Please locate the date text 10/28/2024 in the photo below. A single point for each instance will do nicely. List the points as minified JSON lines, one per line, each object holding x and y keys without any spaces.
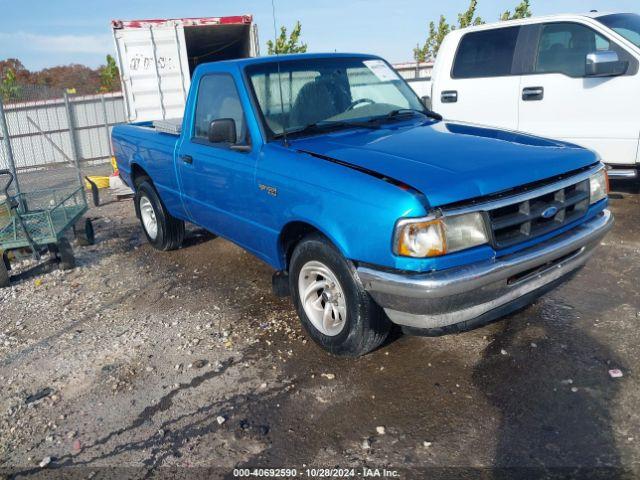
{"x":316,"y":472}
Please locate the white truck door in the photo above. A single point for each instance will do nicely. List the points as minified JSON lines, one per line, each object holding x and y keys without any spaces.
{"x":473,"y":80}
{"x":558,"y":100}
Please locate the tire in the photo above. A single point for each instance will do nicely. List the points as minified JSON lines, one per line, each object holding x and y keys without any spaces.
{"x":353,"y":329}
{"x":5,"y":280}
{"x":65,"y":255}
{"x":168,"y":233}
{"x":85,"y":235}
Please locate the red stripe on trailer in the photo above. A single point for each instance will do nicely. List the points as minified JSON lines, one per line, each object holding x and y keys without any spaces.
{"x":187,"y":22}
{"x":234,"y":20}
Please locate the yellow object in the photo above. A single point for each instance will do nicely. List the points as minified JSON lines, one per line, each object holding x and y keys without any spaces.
{"x":101,"y":182}
{"x":114,"y":164}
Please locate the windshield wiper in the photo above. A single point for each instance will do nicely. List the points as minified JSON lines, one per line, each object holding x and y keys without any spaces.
{"x":406,"y":111}
{"x":372,"y":123}
{"x":319,"y":127}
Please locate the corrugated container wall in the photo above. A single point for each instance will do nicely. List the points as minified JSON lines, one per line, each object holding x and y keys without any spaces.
{"x":157,"y":57}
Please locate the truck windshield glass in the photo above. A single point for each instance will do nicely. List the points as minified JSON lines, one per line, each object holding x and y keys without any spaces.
{"x":328,"y":91}
{"x":624,"y":24}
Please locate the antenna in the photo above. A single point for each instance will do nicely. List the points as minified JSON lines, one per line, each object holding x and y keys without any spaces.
{"x":275,"y":47}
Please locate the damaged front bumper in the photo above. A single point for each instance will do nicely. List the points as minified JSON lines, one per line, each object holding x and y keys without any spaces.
{"x":465,"y":297}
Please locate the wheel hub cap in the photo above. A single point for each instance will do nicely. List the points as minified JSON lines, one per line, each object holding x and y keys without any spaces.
{"x":148,"y":216}
{"x":322,"y":298}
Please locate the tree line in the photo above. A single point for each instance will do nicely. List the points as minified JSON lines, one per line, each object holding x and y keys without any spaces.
{"x":15,"y":77}
{"x":429,"y":50}
{"x":291,"y":43}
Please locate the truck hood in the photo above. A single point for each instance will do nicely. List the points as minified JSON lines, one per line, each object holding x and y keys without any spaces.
{"x":450,"y":162}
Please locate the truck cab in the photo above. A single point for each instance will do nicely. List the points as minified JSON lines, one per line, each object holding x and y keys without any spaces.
{"x":569,"y":77}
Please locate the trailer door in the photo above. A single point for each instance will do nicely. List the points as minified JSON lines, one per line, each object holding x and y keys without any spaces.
{"x":155,"y":70}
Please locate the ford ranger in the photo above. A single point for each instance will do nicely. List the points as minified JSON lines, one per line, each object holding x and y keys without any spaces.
{"x":372,"y":209}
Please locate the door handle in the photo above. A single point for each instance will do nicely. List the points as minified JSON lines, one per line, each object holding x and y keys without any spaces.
{"x":449,"y":96}
{"x":186,"y":159}
{"x":531,"y":94}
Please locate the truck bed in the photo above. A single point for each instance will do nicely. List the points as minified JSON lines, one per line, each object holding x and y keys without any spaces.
{"x":142,"y":144}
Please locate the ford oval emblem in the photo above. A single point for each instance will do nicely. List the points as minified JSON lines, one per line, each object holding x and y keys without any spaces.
{"x":550,"y":212}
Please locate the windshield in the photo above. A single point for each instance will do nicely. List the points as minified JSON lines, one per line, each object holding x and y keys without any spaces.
{"x":624,"y":24}
{"x":309,"y":92}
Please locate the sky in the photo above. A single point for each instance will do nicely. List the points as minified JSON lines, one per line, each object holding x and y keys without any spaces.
{"x":45,"y":33}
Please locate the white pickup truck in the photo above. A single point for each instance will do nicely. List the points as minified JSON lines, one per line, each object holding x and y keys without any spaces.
{"x":569,"y":77}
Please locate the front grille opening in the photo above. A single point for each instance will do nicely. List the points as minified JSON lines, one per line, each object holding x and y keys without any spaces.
{"x":536,"y":270}
{"x":518,"y":222}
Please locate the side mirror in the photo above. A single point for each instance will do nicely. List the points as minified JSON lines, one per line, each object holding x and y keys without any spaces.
{"x":605,"y":64}
{"x":223,"y":130}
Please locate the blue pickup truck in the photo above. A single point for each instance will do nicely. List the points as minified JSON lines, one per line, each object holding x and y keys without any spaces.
{"x":372,"y":209}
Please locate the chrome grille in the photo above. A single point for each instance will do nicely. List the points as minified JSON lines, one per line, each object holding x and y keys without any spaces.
{"x":519,"y":222}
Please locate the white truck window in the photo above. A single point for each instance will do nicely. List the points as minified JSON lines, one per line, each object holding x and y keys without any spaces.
{"x":625,"y":24}
{"x":487,"y":53}
{"x":564,"y":47}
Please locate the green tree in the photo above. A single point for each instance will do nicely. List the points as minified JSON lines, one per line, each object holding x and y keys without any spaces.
{"x":109,"y":76}
{"x":436,"y":36}
{"x":287,"y":43}
{"x":523,"y":10}
{"x":468,"y":18}
{"x":9,"y":88}
{"x":429,"y":50}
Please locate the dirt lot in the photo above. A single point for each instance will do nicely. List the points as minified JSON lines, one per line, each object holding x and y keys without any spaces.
{"x":184,"y":364}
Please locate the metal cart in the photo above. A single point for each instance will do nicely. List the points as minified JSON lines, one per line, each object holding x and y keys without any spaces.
{"x":38,"y":221}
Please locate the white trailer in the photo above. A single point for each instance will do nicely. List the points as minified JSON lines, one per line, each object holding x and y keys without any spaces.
{"x":157,"y":58}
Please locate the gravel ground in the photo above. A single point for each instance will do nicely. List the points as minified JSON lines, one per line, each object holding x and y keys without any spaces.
{"x":140,"y":363}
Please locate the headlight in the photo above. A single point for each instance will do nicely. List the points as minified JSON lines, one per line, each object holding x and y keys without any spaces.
{"x":421,"y":238}
{"x":599,"y":186}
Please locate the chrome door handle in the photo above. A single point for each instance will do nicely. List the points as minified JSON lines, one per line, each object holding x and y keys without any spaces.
{"x":531,"y":94}
{"x":449,"y":96}
{"x":186,"y":159}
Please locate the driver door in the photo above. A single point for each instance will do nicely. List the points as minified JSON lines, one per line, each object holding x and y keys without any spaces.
{"x":217,"y":180}
{"x":557,"y":100}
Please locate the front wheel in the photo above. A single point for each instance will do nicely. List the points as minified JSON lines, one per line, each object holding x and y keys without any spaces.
{"x":162,"y":230}
{"x":335,"y":310}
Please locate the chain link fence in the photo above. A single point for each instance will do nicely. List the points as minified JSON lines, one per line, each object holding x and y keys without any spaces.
{"x":51,"y":139}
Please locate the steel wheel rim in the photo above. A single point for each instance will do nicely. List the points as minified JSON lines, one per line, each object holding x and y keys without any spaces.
{"x":148,"y":216}
{"x":322,"y":298}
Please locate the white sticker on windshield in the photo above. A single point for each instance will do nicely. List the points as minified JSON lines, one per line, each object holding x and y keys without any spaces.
{"x":381,"y":70}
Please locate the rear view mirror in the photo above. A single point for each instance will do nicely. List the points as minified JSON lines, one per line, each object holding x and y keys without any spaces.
{"x":223,"y":130}
{"x":605,"y":64}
